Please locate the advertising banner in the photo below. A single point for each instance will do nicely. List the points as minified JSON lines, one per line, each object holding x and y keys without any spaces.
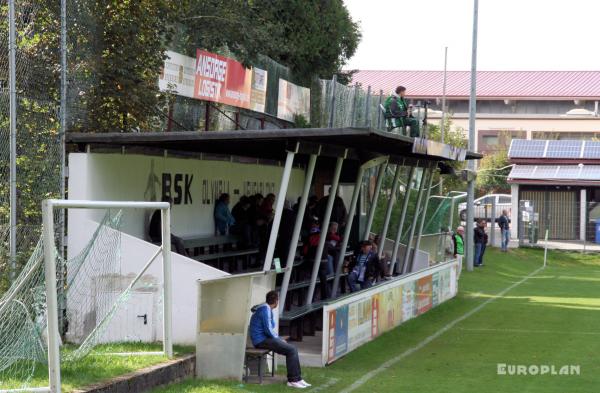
{"x":361,"y":317}
{"x":408,"y":301}
{"x":423,"y":294}
{"x":178,"y":74}
{"x":211,"y":77}
{"x":435,"y":289}
{"x":293,"y":100}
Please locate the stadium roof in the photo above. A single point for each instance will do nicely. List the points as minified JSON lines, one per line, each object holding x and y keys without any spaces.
{"x":541,"y":85}
{"x":362,"y":143}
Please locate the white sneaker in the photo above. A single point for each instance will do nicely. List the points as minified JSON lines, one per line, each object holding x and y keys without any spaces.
{"x":303,"y":382}
{"x":297,"y":385}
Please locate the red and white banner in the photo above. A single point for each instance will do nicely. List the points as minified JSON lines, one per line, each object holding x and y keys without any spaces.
{"x":220,"y":79}
{"x":211,"y":77}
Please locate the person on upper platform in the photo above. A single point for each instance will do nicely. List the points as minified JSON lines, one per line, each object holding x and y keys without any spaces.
{"x":399,"y":114}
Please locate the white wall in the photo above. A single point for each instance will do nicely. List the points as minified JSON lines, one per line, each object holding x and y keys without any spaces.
{"x":122,"y":177}
{"x":126,"y":177}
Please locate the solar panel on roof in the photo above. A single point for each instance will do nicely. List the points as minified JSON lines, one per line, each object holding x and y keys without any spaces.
{"x":522,"y":172}
{"x":563,"y":149}
{"x":522,"y":148}
{"x":591,"y":149}
{"x":568,"y":172}
{"x":590,"y":172}
{"x":546,"y":171}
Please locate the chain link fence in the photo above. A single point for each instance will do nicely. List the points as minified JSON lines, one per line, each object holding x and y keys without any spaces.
{"x":38,"y":148}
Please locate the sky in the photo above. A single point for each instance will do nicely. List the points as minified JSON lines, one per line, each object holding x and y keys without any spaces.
{"x":513,"y":35}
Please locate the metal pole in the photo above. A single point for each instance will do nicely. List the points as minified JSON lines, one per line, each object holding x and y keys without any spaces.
{"x":63,"y":114}
{"x":388,"y":212}
{"x":368,"y":108}
{"x":51,"y":297}
{"x":289,"y":264}
{"x":12,"y":85}
{"x":380,"y":176}
{"x":285,"y":180}
{"x":347,"y":230}
{"x":423,"y":216}
{"x":379,"y":109}
{"x":167,"y":283}
{"x":324,"y":228}
{"x":332,"y":113}
{"x":354,"y":105}
{"x":493,"y":225}
{"x":402,"y":218}
{"x":470,"y":249}
{"x":413,"y":225}
{"x":443,"y":123}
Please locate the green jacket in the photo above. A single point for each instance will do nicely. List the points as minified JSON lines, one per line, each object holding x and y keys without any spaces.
{"x":395,"y":107}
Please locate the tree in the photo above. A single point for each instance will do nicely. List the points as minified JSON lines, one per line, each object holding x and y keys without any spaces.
{"x":492,"y":173}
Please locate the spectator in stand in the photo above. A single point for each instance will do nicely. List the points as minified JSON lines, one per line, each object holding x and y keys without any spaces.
{"x":266,"y":208}
{"x":286,"y":230}
{"x":363,"y":268}
{"x":263,"y":336}
{"x":334,"y":241}
{"x":310,"y":214}
{"x":479,"y":240}
{"x":504,"y":224}
{"x":310,"y":252}
{"x":242,"y":227}
{"x":398,"y":110}
{"x":155,"y":231}
{"x":338,"y":213}
{"x":223,"y":218}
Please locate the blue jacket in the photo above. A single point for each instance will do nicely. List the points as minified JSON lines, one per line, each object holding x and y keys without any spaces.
{"x":262,"y":324}
{"x":223,"y":217}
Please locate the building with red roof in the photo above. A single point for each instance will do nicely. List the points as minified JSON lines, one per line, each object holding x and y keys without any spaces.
{"x":510,"y":104}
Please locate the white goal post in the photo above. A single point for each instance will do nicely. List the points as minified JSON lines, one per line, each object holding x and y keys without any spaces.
{"x":48,"y":207}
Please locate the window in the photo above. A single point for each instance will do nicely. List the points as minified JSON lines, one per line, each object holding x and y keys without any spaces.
{"x":490,"y":140}
{"x":504,"y":199}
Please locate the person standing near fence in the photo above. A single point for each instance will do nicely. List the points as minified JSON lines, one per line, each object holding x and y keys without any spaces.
{"x":479,"y":239}
{"x":504,"y":225}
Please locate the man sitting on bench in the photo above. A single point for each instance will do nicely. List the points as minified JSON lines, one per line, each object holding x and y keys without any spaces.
{"x":264,"y":336}
{"x":399,"y":113}
{"x":364,"y":268}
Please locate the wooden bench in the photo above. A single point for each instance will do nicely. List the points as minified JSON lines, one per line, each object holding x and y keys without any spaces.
{"x":260,"y":355}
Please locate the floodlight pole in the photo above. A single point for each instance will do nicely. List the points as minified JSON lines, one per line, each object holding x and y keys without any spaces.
{"x":325,"y":227}
{"x":388,"y":212}
{"x":285,"y":180}
{"x":470,"y":246}
{"x":289,"y":264}
{"x":402,"y":219}
{"x":51,"y":297}
{"x":380,"y":177}
{"x":443,"y":123}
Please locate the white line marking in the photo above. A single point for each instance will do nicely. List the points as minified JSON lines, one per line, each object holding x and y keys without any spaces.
{"x":527,"y":331}
{"x":330,"y":383}
{"x":362,"y":380}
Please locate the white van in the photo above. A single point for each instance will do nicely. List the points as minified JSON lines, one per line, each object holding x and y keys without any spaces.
{"x":483,"y":206}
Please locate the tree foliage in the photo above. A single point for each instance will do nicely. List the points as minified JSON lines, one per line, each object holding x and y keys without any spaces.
{"x":117,"y":48}
{"x":491,"y":178}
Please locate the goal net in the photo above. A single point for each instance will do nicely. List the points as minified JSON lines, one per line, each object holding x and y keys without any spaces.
{"x":99,"y":301}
